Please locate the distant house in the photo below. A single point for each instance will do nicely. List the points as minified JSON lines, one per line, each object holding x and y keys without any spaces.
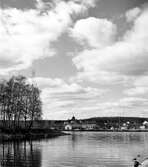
{"x":112,"y":128}
{"x":123,"y":128}
{"x":68,"y":127}
{"x":76,"y":126}
{"x":145,"y":123}
{"x":142,"y":127}
{"x":89,"y":126}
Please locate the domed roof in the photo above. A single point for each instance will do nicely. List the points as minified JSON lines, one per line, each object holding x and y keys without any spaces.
{"x":73,"y":118}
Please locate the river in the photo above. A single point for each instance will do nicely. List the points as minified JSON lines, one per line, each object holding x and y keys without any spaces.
{"x":81,"y":149}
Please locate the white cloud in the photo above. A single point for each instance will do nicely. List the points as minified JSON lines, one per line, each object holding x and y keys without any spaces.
{"x":132,"y":14}
{"x":124,"y":63}
{"x":67,"y":98}
{"x":127,"y":106}
{"x":137,"y":91}
{"x":132,"y":101}
{"x":130,"y":107}
{"x":96,"y":32}
{"x":43,"y":82}
{"x":71,"y":6}
{"x":139,"y":87}
{"x":62,"y":99}
{"x":141,"y":81}
{"x":86,"y":3}
{"x":103,"y":78}
{"x":26,"y":35}
{"x":29,"y":37}
{"x":124,"y":58}
{"x":59,"y":97}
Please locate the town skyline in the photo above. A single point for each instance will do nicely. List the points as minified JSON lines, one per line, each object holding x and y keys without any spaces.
{"x":88,"y":57}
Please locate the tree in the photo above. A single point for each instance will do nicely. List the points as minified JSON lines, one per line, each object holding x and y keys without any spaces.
{"x":19,"y":103}
{"x":35,"y":105}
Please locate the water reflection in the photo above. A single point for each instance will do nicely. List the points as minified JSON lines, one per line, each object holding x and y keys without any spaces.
{"x":20,"y":155}
{"x":81,"y":149}
{"x":74,"y":139}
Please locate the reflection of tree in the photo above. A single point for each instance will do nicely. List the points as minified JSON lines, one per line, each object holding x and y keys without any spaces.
{"x":20,"y":155}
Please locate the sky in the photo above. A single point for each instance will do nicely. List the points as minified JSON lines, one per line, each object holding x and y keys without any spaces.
{"x":89,"y":57}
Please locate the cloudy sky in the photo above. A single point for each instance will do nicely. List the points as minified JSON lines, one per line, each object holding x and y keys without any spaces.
{"x":90,"y":57}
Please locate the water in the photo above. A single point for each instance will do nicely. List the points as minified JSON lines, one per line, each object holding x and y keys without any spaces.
{"x":81,"y":149}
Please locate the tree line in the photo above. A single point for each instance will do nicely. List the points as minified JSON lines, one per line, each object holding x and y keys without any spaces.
{"x":20,"y":103}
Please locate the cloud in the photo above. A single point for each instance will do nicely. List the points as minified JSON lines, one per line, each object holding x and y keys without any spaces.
{"x":115,"y":67}
{"x":136,"y":91}
{"x":87,"y":3}
{"x":127,"y":106}
{"x":60,"y":98}
{"x":141,"y":81}
{"x":125,"y":58}
{"x":76,"y":6}
{"x":26,"y":35}
{"x":139,"y":87}
{"x":96,"y":32}
{"x":132,"y":14}
{"x":103,"y":78}
{"x":19,"y":4}
{"x":64,"y":109}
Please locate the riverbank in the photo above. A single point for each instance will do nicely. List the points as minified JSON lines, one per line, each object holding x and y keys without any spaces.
{"x":108,"y":130}
{"x":35,"y":134}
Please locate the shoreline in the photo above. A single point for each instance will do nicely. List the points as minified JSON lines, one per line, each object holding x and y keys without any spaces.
{"x":39,"y":134}
{"x":132,"y":130}
{"x":5,"y":137}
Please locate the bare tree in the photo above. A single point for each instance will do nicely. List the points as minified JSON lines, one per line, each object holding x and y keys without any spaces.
{"x":19,"y":103}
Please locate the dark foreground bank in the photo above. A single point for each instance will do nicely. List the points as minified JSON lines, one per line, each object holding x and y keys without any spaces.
{"x":36,"y":134}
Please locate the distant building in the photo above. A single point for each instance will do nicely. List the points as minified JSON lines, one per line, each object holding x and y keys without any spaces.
{"x":75,"y":124}
{"x":73,"y":120}
{"x":112,"y":128}
{"x":145,"y":123}
{"x":72,"y":124}
{"x":89,"y":126}
{"x":123,"y":128}
{"x":68,"y":127}
{"x":142,"y":127}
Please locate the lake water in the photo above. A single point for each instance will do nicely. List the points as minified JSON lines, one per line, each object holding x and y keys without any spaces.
{"x":81,"y":149}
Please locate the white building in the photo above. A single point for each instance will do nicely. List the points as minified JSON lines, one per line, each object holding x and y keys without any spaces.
{"x":142,"y":127}
{"x":88,"y":126}
{"x":68,"y":127}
